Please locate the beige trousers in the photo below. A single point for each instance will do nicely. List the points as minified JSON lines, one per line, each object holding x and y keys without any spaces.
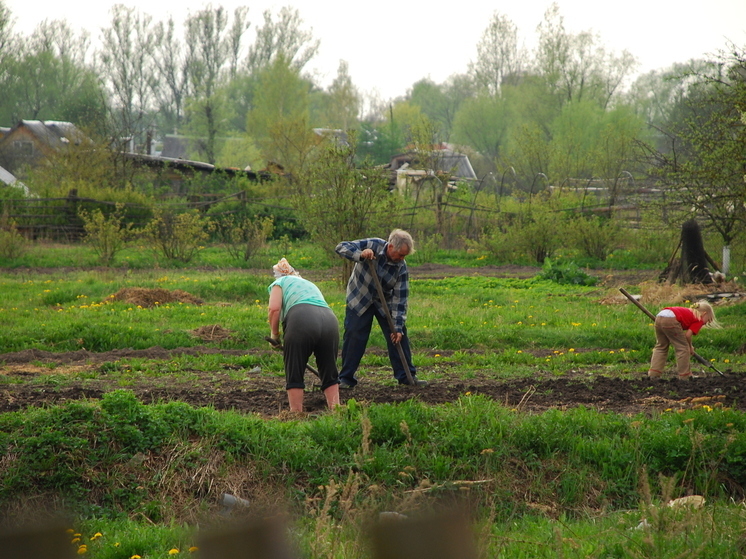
{"x":668,"y":332}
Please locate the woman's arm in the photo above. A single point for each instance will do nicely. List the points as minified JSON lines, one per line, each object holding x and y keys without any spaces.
{"x":274,"y":310}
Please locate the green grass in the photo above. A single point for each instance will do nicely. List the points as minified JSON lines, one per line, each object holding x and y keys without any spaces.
{"x":570,"y":484}
{"x":575,"y":482}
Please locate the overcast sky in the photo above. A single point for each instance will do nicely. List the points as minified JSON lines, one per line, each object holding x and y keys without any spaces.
{"x":391,"y":44}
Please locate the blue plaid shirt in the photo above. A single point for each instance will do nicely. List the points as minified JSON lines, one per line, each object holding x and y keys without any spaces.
{"x":361,"y":289}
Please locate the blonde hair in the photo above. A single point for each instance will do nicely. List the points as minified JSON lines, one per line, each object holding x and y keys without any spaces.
{"x":703,"y":309}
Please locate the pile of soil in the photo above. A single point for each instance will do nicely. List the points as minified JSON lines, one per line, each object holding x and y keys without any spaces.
{"x":212,"y":333}
{"x":147,"y":298}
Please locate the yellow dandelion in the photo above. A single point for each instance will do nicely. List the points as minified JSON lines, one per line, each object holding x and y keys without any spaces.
{"x":135,"y":557}
{"x":612,"y":351}
{"x":488,"y":451}
{"x":519,"y":351}
{"x":193,"y":549}
{"x":727,"y":361}
{"x":173,"y":551}
{"x":75,"y":540}
{"x":437,"y":355}
{"x":467,"y":394}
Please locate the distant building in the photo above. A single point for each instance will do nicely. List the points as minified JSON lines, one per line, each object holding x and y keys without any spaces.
{"x":31,"y":141}
{"x":441,"y":161}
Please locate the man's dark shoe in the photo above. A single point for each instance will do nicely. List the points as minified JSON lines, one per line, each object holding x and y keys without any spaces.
{"x":417,"y":382}
{"x":345,"y":385}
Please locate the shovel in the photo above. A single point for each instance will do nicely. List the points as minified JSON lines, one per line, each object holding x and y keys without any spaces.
{"x":278,"y":345}
{"x":696,"y":355}
{"x":392,"y":327}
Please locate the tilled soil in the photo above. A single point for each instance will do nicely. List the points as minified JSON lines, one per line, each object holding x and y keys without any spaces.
{"x":28,"y":377}
{"x":262,"y":392}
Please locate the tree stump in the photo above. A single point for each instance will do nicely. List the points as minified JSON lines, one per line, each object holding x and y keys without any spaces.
{"x":692,"y":265}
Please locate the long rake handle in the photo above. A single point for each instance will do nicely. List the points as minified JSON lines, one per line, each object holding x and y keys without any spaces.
{"x":379,"y":289}
{"x":639,"y":305}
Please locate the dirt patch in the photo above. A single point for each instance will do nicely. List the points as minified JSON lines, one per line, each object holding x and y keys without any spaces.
{"x":212,"y":333}
{"x":259,"y":391}
{"x":148,"y":298}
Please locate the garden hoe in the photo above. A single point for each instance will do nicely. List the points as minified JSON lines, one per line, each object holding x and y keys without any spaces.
{"x":278,"y":345}
{"x":697,"y":356}
{"x":392,"y":327}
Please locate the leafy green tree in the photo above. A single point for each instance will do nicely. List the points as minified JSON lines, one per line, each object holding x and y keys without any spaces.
{"x":483,"y":123}
{"x":441,"y":103}
{"x":279,"y":119}
{"x":703,"y":164}
{"x":47,"y":77}
{"x":342,"y":102}
{"x":337,"y":200}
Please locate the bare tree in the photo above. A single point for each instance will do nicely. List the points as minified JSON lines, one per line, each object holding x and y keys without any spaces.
{"x":127,"y":62}
{"x":172,"y":87}
{"x":282,"y":38}
{"x":498,"y":54}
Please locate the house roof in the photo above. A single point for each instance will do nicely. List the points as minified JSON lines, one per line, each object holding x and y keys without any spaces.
{"x":446,"y":160}
{"x":6,"y":177}
{"x":159,"y":161}
{"x":52,"y":132}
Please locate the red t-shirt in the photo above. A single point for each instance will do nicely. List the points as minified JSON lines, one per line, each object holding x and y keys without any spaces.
{"x":687,"y":319}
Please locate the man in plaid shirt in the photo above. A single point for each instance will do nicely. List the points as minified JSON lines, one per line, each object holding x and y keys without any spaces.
{"x":363,"y":303}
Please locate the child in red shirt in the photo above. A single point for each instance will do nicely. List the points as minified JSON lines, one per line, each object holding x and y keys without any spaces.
{"x":675,"y":326}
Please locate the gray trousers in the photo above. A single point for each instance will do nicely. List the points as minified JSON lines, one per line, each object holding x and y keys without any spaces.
{"x":310,"y":329}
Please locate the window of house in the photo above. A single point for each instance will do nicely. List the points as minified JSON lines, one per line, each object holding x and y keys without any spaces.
{"x":23,"y":148}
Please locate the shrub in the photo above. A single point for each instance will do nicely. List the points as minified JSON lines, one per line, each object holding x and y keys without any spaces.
{"x":594,"y":236}
{"x":178,"y":236}
{"x":106,"y":233}
{"x":567,"y":273}
{"x":12,"y":243}
{"x":245,"y":237}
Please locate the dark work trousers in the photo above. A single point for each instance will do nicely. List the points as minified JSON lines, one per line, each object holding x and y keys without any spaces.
{"x":357,"y":332}
{"x":310,"y":329}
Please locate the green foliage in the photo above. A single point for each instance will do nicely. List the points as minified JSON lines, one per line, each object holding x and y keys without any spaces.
{"x":78,"y":449}
{"x":245,"y":237}
{"x":107,"y":234}
{"x":336,"y":200}
{"x":566,"y":273}
{"x":596,"y":237}
{"x":12,"y":243}
{"x":177,"y":236}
